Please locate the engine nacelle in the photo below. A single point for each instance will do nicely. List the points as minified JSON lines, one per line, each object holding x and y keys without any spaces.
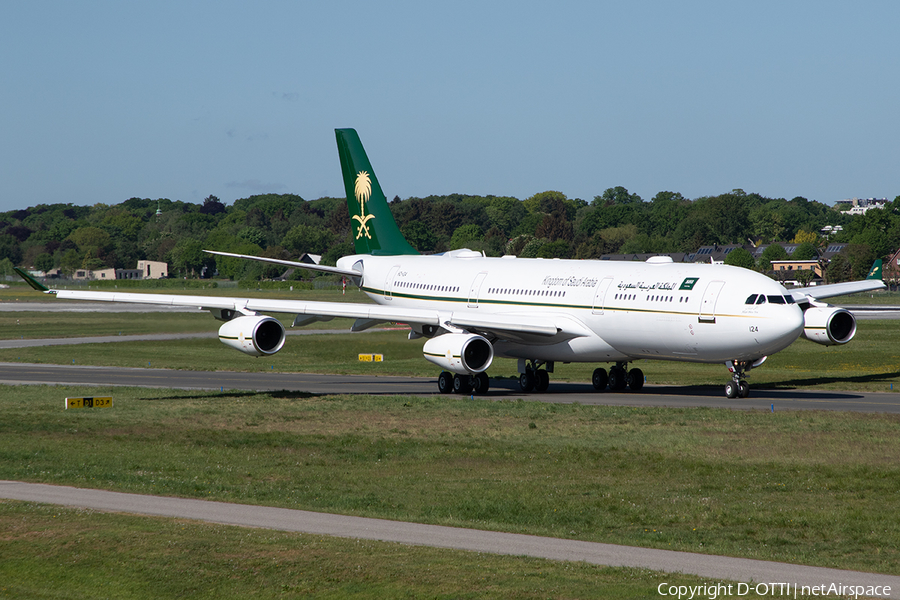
{"x":828,"y":325}
{"x":253,"y":335}
{"x":461,"y":353}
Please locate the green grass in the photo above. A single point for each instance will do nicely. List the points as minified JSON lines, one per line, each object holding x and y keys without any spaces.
{"x":39,"y":325}
{"x":55,"y":552}
{"x":803,"y":487}
{"x":871,"y":362}
{"x":884,"y":298}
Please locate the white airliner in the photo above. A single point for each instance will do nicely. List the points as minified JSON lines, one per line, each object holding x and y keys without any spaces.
{"x":472,"y":308}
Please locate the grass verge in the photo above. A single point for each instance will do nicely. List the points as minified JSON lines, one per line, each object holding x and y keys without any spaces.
{"x":802,"y":487}
{"x":48,"y":549}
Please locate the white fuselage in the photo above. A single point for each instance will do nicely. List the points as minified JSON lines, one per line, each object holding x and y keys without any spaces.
{"x":627,"y":310}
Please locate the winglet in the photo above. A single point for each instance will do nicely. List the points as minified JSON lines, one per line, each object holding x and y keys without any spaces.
{"x":875,"y":273}
{"x":31,"y":280}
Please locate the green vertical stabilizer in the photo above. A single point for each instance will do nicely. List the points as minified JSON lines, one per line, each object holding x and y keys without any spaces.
{"x":373,"y":226}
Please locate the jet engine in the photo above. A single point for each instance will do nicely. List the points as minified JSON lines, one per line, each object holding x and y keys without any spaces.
{"x":828,"y":325}
{"x":253,"y":335}
{"x":461,"y":353}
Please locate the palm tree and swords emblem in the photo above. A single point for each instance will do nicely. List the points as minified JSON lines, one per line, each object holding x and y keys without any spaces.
{"x":362,"y":191}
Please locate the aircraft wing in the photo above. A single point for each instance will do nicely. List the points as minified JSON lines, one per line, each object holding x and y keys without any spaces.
{"x":366,"y":314}
{"x":504,"y":326}
{"x":838,"y":289}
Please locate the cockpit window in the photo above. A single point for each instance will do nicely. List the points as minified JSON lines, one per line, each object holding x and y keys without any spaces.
{"x":776,"y":300}
{"x":761,"y":300}
{"x":751,"y":299}
{"x":790,"y":299}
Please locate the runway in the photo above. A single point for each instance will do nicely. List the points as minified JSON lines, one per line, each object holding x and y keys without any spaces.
{"x":718,"y":568}
{"x":501,"y":389}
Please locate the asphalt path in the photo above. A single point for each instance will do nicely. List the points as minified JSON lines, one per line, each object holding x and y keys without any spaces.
{"x":718,"y":568}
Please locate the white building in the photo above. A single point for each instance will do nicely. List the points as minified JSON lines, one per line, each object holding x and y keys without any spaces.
{"x":859,"y":206}
{"x":146,"y":269}
{"x":152,"y":269}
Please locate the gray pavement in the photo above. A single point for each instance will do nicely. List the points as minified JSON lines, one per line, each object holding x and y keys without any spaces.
{"x":718,"y":568}
{"x":501,"y":388}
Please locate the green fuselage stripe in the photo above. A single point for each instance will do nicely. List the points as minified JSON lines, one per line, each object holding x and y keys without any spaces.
{"x":521,"y":304}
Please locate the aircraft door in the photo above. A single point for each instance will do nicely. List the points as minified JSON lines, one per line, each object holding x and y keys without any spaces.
{"x":389,"y":282}
{"x":708,"y":304}
{"x":600,"y":295}
{"x":475,"y":289}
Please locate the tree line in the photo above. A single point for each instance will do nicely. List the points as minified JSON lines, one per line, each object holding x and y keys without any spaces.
{"x":548,"y":225}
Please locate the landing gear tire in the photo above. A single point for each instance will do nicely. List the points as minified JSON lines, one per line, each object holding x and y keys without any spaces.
{"x":599,"y":379}
{"x":541,"y":380}
{"x":526,"y":381}
{"x":635,"y":380}
{"x":617,"y":378}
{"x":445,"y":382}
{"x":738,"y":386}
{"x":461,"y":384}
{"x":480,"y":383}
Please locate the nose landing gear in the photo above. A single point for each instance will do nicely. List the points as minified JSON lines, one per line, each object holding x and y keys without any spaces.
{"x":738,"y":386}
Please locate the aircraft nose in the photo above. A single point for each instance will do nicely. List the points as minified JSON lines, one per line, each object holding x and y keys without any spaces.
{"x":792,"y":325}
{"x":783,"y":330}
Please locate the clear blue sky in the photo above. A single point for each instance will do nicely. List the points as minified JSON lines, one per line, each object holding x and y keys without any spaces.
{"x":104,"y":101}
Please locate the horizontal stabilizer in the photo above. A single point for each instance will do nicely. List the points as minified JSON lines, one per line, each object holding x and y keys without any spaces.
{"x":289,"y":263}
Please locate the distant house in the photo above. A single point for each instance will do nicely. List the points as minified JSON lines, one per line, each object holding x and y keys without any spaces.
{"x":104,"y":274}
{"x":310,"y":259}
{"x":306,"y":257}
{"x":859,"y":206}
{"x":716,"y":253}
{"x":890,"y":271}
{"x":152,"y":269}
{"x":797,"y":265}
{"x":147,"y":269}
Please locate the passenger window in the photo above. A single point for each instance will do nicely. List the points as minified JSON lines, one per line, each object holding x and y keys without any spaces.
{"x":762,"y":299}
{"x":776,"y":300}
{"x":751,"y":299}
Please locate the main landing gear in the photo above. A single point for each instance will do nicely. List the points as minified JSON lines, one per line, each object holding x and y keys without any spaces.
{"x":618,"y":378}
{"x":533,"y":377}
{"x":463,"y":384}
